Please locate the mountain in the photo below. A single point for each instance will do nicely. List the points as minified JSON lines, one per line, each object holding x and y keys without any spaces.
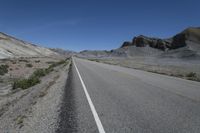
{"x":13,"y":47}
{"x":94,"y":53}
{"x":183,"y":44}
{"x":66,"y":53}
{"x":180,"y":40}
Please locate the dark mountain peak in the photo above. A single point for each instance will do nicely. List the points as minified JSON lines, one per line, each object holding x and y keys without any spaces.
{"x":126,"y":44}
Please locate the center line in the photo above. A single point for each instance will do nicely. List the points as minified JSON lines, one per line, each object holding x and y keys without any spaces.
{"x":94,"y":112}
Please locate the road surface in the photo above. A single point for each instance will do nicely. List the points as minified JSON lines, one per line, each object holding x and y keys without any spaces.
{"x":128,"y":101}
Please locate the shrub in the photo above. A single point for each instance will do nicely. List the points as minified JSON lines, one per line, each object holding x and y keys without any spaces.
{"x":22,"y":60}
{"x":48,"y":70}
{"x":55,"y":64}
{"x":34,"y":78}
{"x":29,"y":65}
{"x":191,"y":74}
{"x":13,"y":62}
{"x":39,"y":73}
{"x":37,"y":61}
{"x":50,"y":62}
{"x":3,"y":69}
{"x":26,"y":83}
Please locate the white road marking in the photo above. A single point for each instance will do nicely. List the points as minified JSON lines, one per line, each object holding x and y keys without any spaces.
{"x":94,"y":112}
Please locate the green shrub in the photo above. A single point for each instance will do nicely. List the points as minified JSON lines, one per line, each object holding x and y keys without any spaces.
{"x":3,"y":69}
{"x":22,"y":60}
{"x":29,"y":65}
{"x":94,"y":60}
{"x":48,"y":70}
{"x":37,"y":61}
{"x":191,"y":74}
{"x":55,"y":64}
{"x":14,"y":62}
{"x":34,"y":78}
{"x":39,"y":73}
{"x":26,"y":83}
{"x":50,"y":62}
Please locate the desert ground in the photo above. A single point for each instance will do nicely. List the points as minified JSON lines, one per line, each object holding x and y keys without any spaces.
{"x":34,"y":107}
{"x":183,"y":68}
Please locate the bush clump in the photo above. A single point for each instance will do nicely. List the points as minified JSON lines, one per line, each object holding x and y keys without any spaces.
{"x":26,"y":83}
{"x":37,"y":61}
{"x":191,"y":75}
{"x":39,"y":73}
{"x":23,"y":60}
{"x":55,"y":64}
{"x":29,"y":65}
{"x":35,"y":77}
{"x":3,"y":69}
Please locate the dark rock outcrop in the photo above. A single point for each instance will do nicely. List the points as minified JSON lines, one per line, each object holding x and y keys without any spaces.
{"x":143,"y":41}
{"x":179,"y":40}
{"x":126,"y":44}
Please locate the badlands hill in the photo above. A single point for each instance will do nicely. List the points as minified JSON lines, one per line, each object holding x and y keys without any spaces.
{"x":183,"y":44}
{"x":12,"y":47}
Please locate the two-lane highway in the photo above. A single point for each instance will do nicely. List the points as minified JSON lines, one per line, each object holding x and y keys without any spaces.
{"x":128,"y":101}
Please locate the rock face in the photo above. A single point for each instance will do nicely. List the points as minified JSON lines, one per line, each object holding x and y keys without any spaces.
{"x":177,"y":41}
{"x":143,"y":41}
{"x":126,"y":44}
{"x":12,"y":47}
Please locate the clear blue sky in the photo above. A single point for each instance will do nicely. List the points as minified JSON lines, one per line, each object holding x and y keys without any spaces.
{"x":95,"y":24}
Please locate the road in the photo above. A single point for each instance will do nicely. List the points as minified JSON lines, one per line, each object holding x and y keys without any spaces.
{"x":128,"y":101}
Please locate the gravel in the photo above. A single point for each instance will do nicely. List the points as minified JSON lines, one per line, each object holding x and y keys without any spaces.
{"x":36,"y":109}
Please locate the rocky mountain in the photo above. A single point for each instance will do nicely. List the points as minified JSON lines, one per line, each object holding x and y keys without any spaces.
{"x":13,"y":47}
{"x":180,"y":40}
{"x":183,"y":44}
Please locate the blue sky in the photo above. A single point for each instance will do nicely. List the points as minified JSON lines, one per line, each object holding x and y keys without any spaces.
{"x":95,"y":24}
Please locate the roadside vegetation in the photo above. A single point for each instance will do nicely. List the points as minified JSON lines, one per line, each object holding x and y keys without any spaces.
{"x":29,"y":65}
{"x":94,"y":60}
{"x":3,"y":69}
{"x":23,"y":60}
{"x":37,"y":61}
{"x":192,"y":76}
{"x":35,"y":77}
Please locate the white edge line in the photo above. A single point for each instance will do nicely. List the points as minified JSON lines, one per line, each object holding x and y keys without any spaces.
{"x":94,"y":112}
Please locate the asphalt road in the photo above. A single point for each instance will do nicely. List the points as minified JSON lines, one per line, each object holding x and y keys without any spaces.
{"x":128,"y":101}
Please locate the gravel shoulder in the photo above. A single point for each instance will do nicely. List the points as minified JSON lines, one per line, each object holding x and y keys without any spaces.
{"x":36,"y":109}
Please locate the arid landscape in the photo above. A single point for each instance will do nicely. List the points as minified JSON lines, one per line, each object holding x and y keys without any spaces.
{"x":177,"y":56}
{"x":99,"y":66}
{"x":24,"y":88}
{"x":34,"y":80}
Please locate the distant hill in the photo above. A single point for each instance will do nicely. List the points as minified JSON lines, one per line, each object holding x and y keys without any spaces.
{"x":183,"y":44}
{"x":13,"y":47}
{"x":66,"y":53}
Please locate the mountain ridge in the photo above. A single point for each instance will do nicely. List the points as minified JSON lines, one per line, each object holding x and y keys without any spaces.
{"x":177,"y":41}
{"x":185,"y":44}
{"x":14,"y":47}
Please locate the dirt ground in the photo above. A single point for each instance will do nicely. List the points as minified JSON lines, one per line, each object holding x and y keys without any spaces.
{"x":34,"y":109}
{"x":183,"y":68}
